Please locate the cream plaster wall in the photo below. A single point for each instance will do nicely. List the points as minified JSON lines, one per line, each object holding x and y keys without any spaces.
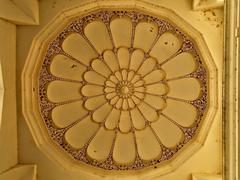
{"x":7,"y":60}
{"x":10,"y":15}
{"x":206,"y":160}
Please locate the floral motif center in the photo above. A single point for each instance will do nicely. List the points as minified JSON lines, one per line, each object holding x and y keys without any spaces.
{"x":124,"y":89}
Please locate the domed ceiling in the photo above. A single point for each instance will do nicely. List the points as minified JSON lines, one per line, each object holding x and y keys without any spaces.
{"x":121,"y":89}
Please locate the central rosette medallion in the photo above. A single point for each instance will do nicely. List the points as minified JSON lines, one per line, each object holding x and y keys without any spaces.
{"x":122,"y":90}
{"x":125,"y":89}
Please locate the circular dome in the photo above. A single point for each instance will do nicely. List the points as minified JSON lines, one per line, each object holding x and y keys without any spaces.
{"x":126,"y":90}
{"x":119,"y":88}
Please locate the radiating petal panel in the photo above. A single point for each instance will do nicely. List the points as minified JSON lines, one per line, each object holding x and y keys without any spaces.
{"x":102,"y":113}
{"x":181,"y":112}
{"x":92,"y":90}
{"x":62,"y":66}
{"x":157,"y":89}
{"x":76,"y":46}
{"x":137,"y":119}
{"x":147,"y":145}
{"x":154,"y":76}
{"x":121,"y":36}
{"x":60,"y":91}
{"x":123,"y":58}
{"x":168,"y":133}
{"x":112,"y":119}
{"x":147,"y":66}
{"x":111,"y":60}
{"x":177,"y":88}
{"x":145,"y":34}
{"x":100,"y":67}
{"x":94,"y":78}
{"x":98,"y":35}
{"x":180,"y":65}
{"x":67,"y":114}
{"x":94,"y":102}
{"x":148,"y":112}
{"x":167,"y":45}
{"x":124,"y":149}
{"x":100,"y":146}
{"x":136,"y":59}
{"x":155,"y":101}
{"x":80,"y":134}
{"x":125,"y":122}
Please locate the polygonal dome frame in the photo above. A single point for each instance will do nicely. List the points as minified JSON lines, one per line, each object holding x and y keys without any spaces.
{"x":30,"y":86}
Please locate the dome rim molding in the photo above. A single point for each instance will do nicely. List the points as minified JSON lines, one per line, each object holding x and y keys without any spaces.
{"x":30,"y":74}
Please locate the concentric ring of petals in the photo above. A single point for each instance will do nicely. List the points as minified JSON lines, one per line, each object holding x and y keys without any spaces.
{"x":121,"y":86}
{"x":124,"y":90}
{"x":132,"y":82}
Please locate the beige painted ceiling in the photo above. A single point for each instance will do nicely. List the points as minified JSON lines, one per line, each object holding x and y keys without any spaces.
{"x":126,"y":89}
{"x":122,"y":90}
